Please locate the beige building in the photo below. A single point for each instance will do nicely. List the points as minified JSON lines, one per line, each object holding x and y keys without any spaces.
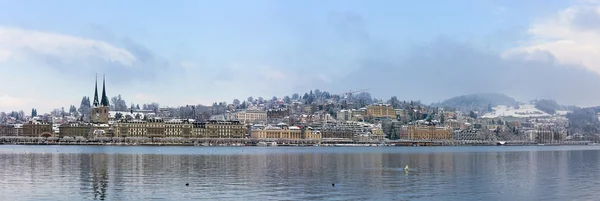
{"x":344,"y":115}
{"x":381,"y":111}
{"x":74,"y":130}
{"x":219,"y":129}
{"x":153,"y":128}
{"x":283,"y":132}
{"x":8,"y":130}
{"x":36,"y":129}
{"x":429,"y":133}
{"x":310,"y":134}
{"x":251,"y":116}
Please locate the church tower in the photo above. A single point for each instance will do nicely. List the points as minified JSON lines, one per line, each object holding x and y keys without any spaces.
{"x":100,"y":108}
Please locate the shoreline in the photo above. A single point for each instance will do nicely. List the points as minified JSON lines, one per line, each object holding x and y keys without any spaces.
{"x":281,"y":145}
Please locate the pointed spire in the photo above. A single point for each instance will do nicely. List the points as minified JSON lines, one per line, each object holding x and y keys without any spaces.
{"x":104,"y":101}
{"x":96,"y":102}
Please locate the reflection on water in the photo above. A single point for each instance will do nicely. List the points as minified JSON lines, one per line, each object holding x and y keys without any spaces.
{"x":279,"y":173}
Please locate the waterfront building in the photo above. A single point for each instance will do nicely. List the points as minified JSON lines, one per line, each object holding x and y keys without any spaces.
{"x":7,"y":130}
{"x":381,"y":111}
{"x":251,"y":116}
{"x":377,"y":133}
{"x":37,"y":129}
{"x":428,"y":133}
{"x":219,"y":129}
{"x":336,"y":132}
{"x":74,"y":130}
{"x":153,"y":128}
{"x":311,"y":134}
{"x":277,"y":132}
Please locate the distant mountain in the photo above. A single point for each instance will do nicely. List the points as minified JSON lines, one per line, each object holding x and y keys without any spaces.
{"x":548,"y":106}
{"x":477,"y":102}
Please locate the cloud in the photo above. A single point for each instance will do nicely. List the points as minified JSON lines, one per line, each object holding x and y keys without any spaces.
{"x":124,"y":61}
{"x":445,"y":68}
{"x":572,"y":36}
{"x":41,"y":63}
{"x":7,"y":101}
{"x":19,"y":44}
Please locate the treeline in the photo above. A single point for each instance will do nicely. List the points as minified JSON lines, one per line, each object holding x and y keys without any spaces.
{"x":584,"y":121}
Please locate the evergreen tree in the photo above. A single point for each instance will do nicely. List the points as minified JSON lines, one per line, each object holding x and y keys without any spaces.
{"x":472,"y":115}
{"x":287,"y":99}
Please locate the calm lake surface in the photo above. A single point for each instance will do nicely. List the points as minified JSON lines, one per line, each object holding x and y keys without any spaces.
{"x":299,"y":173}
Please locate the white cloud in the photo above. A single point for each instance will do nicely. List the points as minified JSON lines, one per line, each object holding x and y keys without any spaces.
{"x":20,"y":44}
{"x":572,"y":36}
{"x":9,"y":102}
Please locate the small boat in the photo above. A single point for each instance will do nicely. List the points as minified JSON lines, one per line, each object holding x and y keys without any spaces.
{"x":406,"y":168}
{"x":500,"y":143}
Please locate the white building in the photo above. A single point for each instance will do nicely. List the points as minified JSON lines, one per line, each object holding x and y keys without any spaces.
{"x":344,"y":115}
{"x":251,"y":116}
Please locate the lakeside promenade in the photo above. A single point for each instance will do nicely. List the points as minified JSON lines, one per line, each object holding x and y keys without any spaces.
{"x":263,"y":142}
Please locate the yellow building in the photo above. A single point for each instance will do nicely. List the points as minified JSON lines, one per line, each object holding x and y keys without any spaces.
{"x":377,"y":133}
{"x":429,"y":133}
{"x":381,"y":111}
{"x":36,"y":129}
{"x":310,"y":134}
{"x":284,"y":132}
{"x":219,"y":129}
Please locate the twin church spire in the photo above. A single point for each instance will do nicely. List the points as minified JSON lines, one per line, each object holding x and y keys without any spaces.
{"x":104,"y":101}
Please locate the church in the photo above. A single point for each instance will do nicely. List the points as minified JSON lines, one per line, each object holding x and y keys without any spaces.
{"x":100,"y":108}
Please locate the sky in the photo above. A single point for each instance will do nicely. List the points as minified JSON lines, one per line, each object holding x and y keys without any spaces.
{"x":199,"y":51}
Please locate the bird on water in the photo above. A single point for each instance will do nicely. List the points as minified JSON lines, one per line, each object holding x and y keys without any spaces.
{"x":187,"y":184}
{"x":333,"y":184}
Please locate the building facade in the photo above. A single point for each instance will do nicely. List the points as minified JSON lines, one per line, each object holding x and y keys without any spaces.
{"x":219,"y":129}
{"x":344,"y":115}
{"x":36,"y":129}
{"x":153,"y":128}
{"x":8,"y":130}
{"x":284,"y":132}
{"x":74,"y":130}
{"x":428,"y":133}
{"x":381,"y":111}
{"x":251,"y":116}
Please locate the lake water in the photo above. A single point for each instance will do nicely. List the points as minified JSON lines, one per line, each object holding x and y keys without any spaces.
{"x":299,"y":173}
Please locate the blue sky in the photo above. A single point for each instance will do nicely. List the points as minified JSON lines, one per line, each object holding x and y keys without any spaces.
{"x":199,"y":52}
